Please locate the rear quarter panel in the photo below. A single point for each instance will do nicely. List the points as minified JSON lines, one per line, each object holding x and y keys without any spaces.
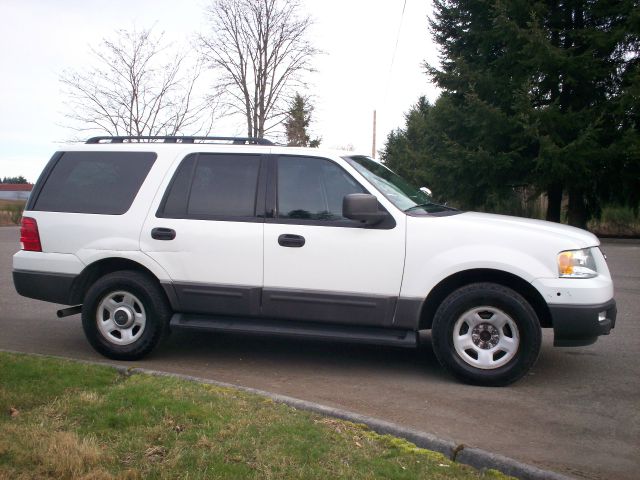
{"x":71,"y":233}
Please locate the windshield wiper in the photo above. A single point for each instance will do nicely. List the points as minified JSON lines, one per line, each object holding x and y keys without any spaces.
{"x":437,"y":206}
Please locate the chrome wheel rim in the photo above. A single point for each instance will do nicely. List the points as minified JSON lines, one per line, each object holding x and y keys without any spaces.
{"x":121,"y":318}
{"x":486,"y":337}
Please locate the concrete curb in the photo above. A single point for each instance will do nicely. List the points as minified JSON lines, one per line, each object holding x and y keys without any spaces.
{"x":474,"y":457}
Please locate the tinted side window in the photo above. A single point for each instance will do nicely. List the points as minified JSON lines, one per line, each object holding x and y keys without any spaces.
{"x":213,"y":186}
{"x":175,"y":202}
{"x":94,"y":182}
{"x":312,"y":188}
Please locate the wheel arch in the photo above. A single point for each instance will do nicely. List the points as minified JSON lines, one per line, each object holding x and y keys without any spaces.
{"x":466,"y":277}
{"x":96,"y":270}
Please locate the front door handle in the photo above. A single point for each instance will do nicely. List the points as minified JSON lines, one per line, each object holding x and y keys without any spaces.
{"x":290,"y":240}
{"x":161,"y":233}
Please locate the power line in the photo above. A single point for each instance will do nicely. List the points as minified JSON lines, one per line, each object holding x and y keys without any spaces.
{"x":386,"y":90}
{"x":393,"y":56}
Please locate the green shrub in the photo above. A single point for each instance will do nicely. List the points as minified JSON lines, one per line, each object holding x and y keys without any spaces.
{"x":15,"y":212}
{"x":617,"y":221}
{"x":618,"y":216}
{"x":517,"y":201}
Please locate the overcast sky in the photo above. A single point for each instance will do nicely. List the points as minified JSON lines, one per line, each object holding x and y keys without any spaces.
{"x":41,"y":38}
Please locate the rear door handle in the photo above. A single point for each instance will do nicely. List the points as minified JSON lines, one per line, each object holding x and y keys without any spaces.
{"x":290,"y":240}
{"x":163,"y":233}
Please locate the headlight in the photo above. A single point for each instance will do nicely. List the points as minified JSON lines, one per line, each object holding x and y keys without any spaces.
{"x":577,"y":264}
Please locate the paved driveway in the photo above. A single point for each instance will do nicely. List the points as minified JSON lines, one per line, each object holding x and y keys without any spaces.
{"x":577,"y":413}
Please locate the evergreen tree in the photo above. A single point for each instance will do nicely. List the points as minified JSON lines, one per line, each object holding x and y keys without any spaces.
{"x":406,"y":151}
{"x":534,"y":92}
{"x":482,"y":145}
{"x":297,"y":122}
{"x":13,"y":180}
{"x":580,"y":54}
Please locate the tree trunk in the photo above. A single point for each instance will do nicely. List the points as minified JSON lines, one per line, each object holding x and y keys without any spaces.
{"x":554,"y":202}
{"x":577,"y":211}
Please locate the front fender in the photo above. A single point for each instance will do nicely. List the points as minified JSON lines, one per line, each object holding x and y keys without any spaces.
{"x":439,"y":247}
{"x":423,"y":271}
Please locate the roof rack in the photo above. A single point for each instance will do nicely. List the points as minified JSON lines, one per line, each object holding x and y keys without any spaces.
{"x":180,"y":139}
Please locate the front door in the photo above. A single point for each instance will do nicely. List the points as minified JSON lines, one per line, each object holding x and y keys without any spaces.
{"x":318,"y":265}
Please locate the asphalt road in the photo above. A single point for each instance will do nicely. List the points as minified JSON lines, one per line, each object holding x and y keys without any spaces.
{"x":577,"y":412}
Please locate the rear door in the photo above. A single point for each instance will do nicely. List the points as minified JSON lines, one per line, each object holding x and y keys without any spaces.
{"x":318,"y":265}
{"x":206,"y":233}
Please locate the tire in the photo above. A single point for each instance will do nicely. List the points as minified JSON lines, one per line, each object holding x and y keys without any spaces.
{"x":125,"y":315}
{"x":486,"y":334}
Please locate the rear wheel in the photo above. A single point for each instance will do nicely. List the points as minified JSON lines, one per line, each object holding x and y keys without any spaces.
{"x":125,"y":315}
{"x":486,"y":334}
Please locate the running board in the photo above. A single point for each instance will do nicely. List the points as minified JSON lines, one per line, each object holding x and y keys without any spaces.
{"x":290,"y":328}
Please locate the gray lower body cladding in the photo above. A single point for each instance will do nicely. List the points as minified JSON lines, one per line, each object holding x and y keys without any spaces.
{"x":579,"y":325}
{"x":351,"y":309}
{"x":49,"y":287}
{"x":574,"y":325}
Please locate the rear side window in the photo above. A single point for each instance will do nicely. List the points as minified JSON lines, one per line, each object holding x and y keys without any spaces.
{"x":213,"y":186}
{"x":94,"y":182}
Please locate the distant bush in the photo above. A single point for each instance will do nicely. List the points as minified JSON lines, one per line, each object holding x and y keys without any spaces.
{"x":619,"y":216}
{"x":616,"y":221}
{"x":15,"y":213}
{"x":11,"y":212}
{"x":516,"y":201}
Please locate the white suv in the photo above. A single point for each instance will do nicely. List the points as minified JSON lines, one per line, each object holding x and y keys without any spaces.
{"x":141,"y":234}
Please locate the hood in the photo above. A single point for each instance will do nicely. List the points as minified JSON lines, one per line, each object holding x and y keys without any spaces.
{"x":581,"y":238}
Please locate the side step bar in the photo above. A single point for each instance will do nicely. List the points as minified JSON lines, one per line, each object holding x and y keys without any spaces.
{"x":290,"y":328}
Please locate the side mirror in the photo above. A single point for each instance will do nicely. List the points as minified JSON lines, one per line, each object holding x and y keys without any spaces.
{"x":362,"y":207}
{"x":426,"y":191}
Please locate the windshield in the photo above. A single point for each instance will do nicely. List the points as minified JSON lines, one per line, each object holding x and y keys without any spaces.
{"x":395,"y":188}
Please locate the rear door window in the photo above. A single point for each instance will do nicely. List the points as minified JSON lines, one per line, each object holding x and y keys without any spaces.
{"x":94,"y":182}
{"x":213,"y":187}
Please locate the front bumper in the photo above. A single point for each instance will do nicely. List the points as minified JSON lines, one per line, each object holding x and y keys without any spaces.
{"x":579,"y":325}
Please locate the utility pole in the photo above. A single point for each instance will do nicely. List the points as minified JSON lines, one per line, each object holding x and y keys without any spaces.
{"x":373,"y":147}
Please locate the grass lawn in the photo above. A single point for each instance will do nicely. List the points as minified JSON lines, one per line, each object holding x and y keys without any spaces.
{"x":62,"y":419}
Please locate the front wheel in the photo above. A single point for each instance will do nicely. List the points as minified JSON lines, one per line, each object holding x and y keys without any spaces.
{"x":125,"y":315}
{"x":486,"y":334}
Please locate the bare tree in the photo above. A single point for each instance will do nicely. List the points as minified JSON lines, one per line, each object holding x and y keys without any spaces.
{"x":260,"y":50}
{"x":137,"y":87}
